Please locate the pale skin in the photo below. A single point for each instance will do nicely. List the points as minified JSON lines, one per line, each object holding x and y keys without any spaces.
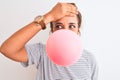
{"x":63,"y":16}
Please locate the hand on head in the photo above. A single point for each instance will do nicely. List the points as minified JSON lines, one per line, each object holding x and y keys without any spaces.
{"x":62,"y":9}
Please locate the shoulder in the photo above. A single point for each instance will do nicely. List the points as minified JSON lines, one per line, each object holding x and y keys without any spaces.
{"x":35,"y":45}
{"x":35,"y":48}
{"x":89,"y":56}
{"x":87,"y":53}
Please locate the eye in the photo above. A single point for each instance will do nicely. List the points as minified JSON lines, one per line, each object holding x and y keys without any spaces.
{"x":58,"y":27}
{"x":72,"y":26}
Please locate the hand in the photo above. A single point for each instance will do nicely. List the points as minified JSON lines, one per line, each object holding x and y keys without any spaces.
{"x":62,"y":9}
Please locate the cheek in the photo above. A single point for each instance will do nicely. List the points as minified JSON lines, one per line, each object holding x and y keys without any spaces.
{"x":54,"y":30}
{"x":76,"y":30}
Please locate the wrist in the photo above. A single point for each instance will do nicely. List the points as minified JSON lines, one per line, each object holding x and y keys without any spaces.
{"x":48,"y":18}
{"x":39,"y":20}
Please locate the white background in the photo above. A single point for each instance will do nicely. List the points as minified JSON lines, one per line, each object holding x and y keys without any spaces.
{"x":100,"y":33}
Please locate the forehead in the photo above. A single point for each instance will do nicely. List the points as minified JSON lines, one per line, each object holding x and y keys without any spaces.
{"x":68,"y":19}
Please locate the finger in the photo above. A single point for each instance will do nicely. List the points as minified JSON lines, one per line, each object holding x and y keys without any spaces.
{"x":72,"y":7}
{"x":74,"y":12}
{"x":70,"y":14}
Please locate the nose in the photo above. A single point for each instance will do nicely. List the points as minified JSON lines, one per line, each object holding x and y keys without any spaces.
{"x":67,"y":28}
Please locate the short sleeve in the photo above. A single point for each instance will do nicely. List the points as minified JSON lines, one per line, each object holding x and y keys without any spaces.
{"x":94,"y":69}
{"x":93,"y":63}
{"x":34,"y":53}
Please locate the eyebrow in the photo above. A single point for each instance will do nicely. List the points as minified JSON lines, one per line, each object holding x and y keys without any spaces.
{"x":58,"y":23}
{"x":61,"y":23}
{"x":71,"y":23}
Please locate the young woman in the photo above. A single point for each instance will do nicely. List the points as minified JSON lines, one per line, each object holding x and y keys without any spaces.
{"x":62,"y":16}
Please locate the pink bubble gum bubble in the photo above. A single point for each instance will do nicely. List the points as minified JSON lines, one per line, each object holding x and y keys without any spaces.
{"x":64,"y":47}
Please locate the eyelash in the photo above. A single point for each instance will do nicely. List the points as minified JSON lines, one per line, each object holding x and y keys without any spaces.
{"x":58,"y":27}
{"x":70,"y":27}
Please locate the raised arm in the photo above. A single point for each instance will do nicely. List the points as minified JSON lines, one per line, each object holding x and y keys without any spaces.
{"x":14,"y":46}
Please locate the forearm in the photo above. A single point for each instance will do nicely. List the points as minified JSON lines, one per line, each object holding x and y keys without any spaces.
{"x":18,"y":40}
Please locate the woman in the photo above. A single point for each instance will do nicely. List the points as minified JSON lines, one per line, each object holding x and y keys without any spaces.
{"x":62,"y":16}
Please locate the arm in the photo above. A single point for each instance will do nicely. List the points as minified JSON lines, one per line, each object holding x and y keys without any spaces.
{"x":14,"y":46}
{"x":95,"y":69}
{"x":95,"y":73}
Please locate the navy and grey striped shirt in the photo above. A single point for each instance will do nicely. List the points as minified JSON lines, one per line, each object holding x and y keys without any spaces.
{"x":84,"y":69}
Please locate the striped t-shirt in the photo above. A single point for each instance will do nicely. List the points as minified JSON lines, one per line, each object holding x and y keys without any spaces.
{"x":84,"y":69}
